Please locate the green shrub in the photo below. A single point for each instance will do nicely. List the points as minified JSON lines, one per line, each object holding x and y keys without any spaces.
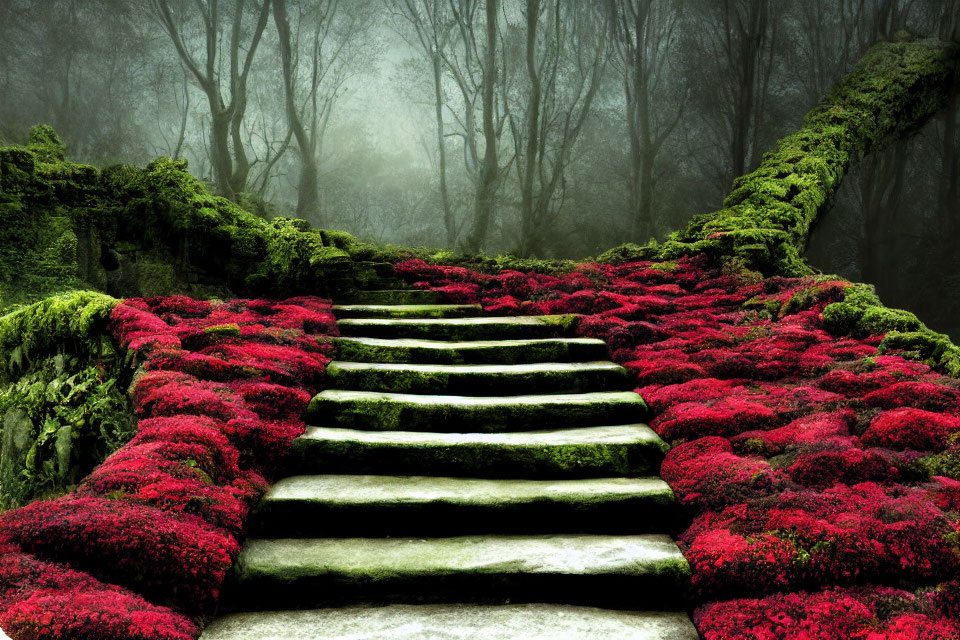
{"x":59,"y":420}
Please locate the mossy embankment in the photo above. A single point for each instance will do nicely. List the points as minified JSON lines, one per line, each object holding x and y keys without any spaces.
{"x":148,"y":231}
{"x":769,"y":213}
{"x":63,"y":402}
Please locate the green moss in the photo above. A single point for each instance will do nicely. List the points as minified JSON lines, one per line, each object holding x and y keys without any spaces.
{"x":667,"y":265}
{"x":74,"y":323}
{"x":934,"y":348}
{"x":566,"y":323}
{"x":46,"y":144}
{"x":629,"y":253}
{"x":62,"y":408}
{"x":768,"y":214}
{"x":230,"y":330}
{"x":939,"y":464}
{"x":59,"y":420}
{"x":861,"y":314}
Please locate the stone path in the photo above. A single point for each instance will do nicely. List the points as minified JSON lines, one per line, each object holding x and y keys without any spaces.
{"x":464,"y":478}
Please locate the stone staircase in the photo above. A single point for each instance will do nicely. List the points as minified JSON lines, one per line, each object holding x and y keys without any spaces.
{"x":464,"y":477}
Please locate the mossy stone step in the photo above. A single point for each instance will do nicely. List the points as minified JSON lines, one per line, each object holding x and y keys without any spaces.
{"x":632,"y":449}
{"x":406,"y":310}
{"x":454,"y":622}
{"x":636,"y":571}
{"x":471,"y":352}
{"x":392,"y":296}
{"x":487,"y":328}
{"x":379,"y":505}
{"x":465,"y":414}
{"x":478,"y":379}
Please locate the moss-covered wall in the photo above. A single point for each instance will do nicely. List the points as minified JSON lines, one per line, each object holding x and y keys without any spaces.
{"x":63,"y":404}
{"x":156,"y":230}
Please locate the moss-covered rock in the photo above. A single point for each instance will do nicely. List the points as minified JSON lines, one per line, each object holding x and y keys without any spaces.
{"x":62,"y":403}
{"x":74,"y":323}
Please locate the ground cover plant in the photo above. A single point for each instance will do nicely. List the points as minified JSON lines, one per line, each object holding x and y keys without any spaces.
{"x":821,"y":471}
{"x":140,"y":548}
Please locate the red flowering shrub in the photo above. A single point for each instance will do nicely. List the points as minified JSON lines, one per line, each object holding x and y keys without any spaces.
{"x":220,"y":402}
{"x":839,"y":536}
{"x":922,"y":395}
{"x":726,"y":416}
{"x":706,"y":472}
{"x":825,"y":468}
{"x":908,"y":428}
{"x":855,"y":614}
{"x":45,"y":601}
{"x":178,"y":559}
{"x":273,"y":401}
{"x":764,"y":408}
{"x":830,"y":429}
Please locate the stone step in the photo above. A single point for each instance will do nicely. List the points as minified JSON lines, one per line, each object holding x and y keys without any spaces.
{"x":471,"y":352}
{"x":478,"y":379}
{"x":392,"y":296}
{"x":379,"y":505}
{"x":632,"y":449}
{"x":488,"y":328}
{"x":468,"y":414}
{"x":454,"y":622}
{"x":614,"y":571}
{"x":406,"y":310}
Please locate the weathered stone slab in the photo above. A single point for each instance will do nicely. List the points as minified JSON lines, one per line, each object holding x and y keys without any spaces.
{"x":643,"y":570}
{"x":478,"y":379}
{"x":454,"y":622}
{"x":487,"y":328}
{"x":393,"y":296}
{"x":325,"y":505}
{"x":462,"y":414}
{"x":590,"y":451}
{"x":360,"y":349}
{"x":406,"y":310}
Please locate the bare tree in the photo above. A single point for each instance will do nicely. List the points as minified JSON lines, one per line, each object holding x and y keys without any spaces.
{"x":318,"y":54}
{"x":221,"y":37}
{"x":489,"y":167}
{"x":737,"y":56}
{"x":565,"y":52}
{"x":433,"y":27}
{"x":644,"y":33}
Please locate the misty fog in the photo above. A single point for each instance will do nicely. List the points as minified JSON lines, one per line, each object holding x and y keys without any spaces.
{"x":541,"y":128}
